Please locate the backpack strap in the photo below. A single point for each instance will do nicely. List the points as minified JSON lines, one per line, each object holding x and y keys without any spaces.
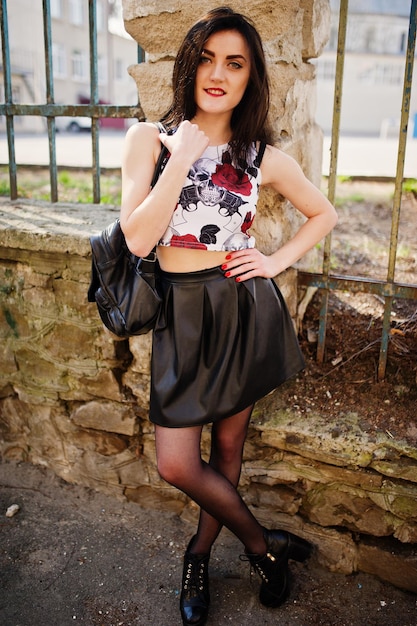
{"x":160,"y":164}
{"x":260,"y":155}
{"x":160,"y":127}
{"x":162,"y":159}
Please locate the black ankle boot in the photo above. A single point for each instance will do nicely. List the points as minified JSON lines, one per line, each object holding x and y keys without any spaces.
{"x":195,"y":596}
{"x":273,"y":566}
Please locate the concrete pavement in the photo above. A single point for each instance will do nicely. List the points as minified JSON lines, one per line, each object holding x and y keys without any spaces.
{"x":358,"y":156}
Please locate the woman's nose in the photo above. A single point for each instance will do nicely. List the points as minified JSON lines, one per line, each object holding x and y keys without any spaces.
{"x":217,"y":72}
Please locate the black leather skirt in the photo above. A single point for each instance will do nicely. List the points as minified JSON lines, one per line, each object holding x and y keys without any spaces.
{"x":218,"y":347}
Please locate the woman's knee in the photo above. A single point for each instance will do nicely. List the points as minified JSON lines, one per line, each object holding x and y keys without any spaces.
{"x":228,"y":447}
{"x":173,"y":470}
{"x":178,"y":454}
{"x":228,"y":436}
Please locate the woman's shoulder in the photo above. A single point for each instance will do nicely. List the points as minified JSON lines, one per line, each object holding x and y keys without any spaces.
{"x":277,"y":164}
{"x":142,"y":129}
{"x":142,"y":137}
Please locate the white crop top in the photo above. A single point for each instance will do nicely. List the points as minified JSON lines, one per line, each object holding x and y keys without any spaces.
{"x":217,"y":204}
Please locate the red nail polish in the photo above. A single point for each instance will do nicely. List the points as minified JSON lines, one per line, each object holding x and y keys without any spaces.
{"x":224,"y":267}
{"x":238,"y":279}
{"x":229,"y":256}
{"x":227,"y":274}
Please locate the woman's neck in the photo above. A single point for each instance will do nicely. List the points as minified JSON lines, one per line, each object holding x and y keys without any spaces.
{"x":217,"y":130}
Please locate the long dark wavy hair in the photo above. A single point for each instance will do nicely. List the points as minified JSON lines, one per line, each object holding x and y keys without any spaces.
{"x":249,"y":121}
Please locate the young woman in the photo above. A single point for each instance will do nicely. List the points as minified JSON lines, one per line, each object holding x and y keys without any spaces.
{"x":224,"y":337}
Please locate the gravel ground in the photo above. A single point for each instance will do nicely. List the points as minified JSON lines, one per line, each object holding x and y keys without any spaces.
{"x":71,"y":555}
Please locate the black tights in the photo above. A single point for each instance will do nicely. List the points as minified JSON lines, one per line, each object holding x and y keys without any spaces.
{"x":213,"y":485}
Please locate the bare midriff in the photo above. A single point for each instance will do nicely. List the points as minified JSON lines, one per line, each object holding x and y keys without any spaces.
{"x":188,"y":260}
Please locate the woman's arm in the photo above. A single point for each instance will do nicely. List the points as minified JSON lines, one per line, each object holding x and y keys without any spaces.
{"x":145,"y":213}
{"x":282,"y":173}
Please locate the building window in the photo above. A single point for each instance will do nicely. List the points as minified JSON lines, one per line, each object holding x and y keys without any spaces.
{"x":76,"y":12}
{"x":333,"y":39}
{"x":17,"y":99}
{"x":326,"y":70}
{"x":370,"y":40}
{"x":101,"y":26}
{"x":101,"y":70}
{"x":119,"y":69}
{"x":382,"y":74}
{"x":16,"y":95}
{"x":56,"y":9}
{"x":79,"y":65}
{"x":59,"y":60}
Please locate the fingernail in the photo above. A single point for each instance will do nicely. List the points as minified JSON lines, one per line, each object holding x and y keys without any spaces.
{"x":224,"y":267}
{"x":237,"y":279}
{"x":227,"y":274}
{"x":229,"y":256}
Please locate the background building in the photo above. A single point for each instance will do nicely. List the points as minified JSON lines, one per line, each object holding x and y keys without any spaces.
{"x":376,"y":44}
{"x":70,"y":51}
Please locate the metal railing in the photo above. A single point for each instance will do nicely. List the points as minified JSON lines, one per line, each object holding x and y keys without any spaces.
{"x":326,"y":282}
{"x":387,"y":289}
{"x":51,"y":110}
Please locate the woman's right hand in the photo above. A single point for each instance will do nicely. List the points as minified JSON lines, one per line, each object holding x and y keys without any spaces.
{"x":145,"y":214}
{"x":188,"y":142}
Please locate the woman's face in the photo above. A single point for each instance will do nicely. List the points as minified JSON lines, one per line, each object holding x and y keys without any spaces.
{"x":223,"y":73}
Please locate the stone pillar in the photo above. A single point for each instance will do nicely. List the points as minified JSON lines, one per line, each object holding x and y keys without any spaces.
{"x":293,"y":32}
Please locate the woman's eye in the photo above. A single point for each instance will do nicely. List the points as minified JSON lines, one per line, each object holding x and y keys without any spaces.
{"x":235,"y":65}
{"x":204,"y":59}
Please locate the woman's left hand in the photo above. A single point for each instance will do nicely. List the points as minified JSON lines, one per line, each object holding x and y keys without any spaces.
{"x":244,"y":264}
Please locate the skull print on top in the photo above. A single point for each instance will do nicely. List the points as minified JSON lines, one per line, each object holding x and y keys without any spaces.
{"x":217,"y":204}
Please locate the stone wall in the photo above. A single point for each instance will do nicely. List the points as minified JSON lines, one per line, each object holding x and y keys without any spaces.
{"x":74,"y":398}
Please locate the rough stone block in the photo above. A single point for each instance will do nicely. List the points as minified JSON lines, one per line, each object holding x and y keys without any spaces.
{"x":103,"y":385}
{"x":399,"y":499}
{"x":154,"y":83}
{"x":395,"y":564}
{"x":134,"y":473}
{"x":348,"y":507}
{"x":140,"y":348}
{"x":159,"y":499}
{"x":279,"y":498}
{"x":316,"y":27}
{"x":105,"y":444}
{"x":108,"y":416}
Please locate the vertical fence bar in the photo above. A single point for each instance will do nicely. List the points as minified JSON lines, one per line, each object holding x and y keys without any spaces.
{"x":334,"y":149}
{"x":47,"y":34}
{"x":396,"y":209}
{"x":8,"y":96}
{"x":94,"y":99}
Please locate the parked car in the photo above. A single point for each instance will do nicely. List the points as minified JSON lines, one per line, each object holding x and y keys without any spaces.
{"x":72,"y":124}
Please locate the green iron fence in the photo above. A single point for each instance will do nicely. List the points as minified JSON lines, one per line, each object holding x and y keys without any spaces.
{"x":51,"y":110}
{"x":387,"y":289}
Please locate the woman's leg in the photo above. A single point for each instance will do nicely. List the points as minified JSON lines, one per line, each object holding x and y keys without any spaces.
{"x":180,"y":464}
{"x":227,"y":441}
